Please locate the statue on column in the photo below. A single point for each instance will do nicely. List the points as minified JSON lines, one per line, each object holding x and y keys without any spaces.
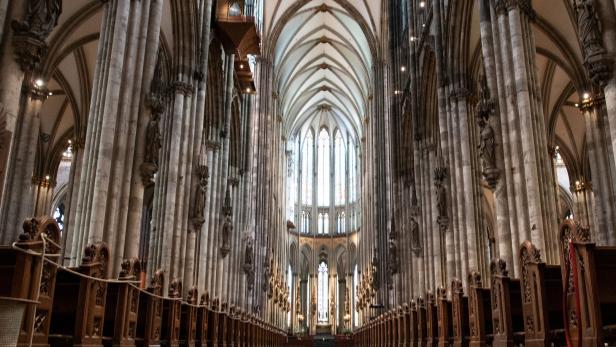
{"x":249,"y":263}
{"x":41,"y":18}
{"x":200,"y":194}
{"x":415,"y":237}
{"x":30,"y":33}
{"x":589,"y":26}
{"x":153,"y":139}
{"x":596,"y":61}
{"x":227,"y":225}
{"x":486,"y":145}
{"x":440,"y":173}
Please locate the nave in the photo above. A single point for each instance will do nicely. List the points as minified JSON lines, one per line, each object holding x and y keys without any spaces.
{"x":307,"y":173}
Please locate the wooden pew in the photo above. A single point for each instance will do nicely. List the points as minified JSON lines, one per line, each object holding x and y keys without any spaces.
{"x":401,"y":324}
{"x":150,"y":313}
{"x":188,"y":326}
{"x":431,"y":320}
{"x":79,"y":302}
{"x":507,"y":320}
{"x":25,"y":279}
{"x":422,"y":324}
{"x":171,"y":322}
{"x":202,"y":321}
{"x":213,"y":324}
{"x":121,"y":306}
{"x":541,"y":299}
{"x":413,"y":325}
{"x":589,"y":275}
{"x":479,"y":312}
{"x":460,"y":315}
{"x":444,"y":318}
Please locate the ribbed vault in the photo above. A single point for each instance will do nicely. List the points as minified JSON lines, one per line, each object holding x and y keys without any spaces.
{"x":323,"y":66}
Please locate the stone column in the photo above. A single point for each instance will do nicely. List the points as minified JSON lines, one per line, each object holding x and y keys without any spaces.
{"x":519,"y":100}
{"x":602,"y":217}
{"x":18,"y":198}
{"x":128,"y":40}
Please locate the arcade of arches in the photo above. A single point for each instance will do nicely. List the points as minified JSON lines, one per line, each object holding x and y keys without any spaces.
{"x":308,"y":164}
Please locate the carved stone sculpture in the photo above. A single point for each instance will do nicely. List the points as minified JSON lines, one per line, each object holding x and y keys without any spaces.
{"x":227,"y":226}
{"x":415,"y":237}
{"x":249,"y":263}
{"x":589,"y":32}
{"x":440,"y":173}
{"x":30,"y":33}
{"x":41,"y":18}
{"x":198,"y":213}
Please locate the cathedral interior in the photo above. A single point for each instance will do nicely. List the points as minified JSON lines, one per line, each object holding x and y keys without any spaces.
{"x":388,"y":173}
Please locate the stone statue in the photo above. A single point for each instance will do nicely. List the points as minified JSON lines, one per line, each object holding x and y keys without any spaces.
{"x":227,"y":229}
{"x":487,"y":145}
{"x":152,"y":140}
{"x":41,"y":18}
{"x":227,"y":225}
{"x":393,"y":256}
{"x":441,"y":200}
{"x":415,"y":240}
{"x":589,"y":27}
{"x":248,"y":254}
{"x":201,"y":190}
{"x":332,"y":309}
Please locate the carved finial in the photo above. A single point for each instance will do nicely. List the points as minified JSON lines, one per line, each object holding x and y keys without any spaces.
{"x":498,"y":267}
{"x":131,"y":269}
{"x":175,"y":289}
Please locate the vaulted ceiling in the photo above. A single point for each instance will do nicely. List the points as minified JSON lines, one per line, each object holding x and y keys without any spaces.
{"x":323,"y":53}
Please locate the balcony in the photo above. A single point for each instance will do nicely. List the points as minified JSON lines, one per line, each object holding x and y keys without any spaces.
{"x":239,"y":35}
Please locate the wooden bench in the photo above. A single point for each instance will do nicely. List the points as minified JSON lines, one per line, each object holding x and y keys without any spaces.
{"x":459,"y":315}
{"x":431,"y":320}
{"x":541,"y":299}
{"x":172,"y":318}
{"x":422,"y":324}
{"x":589,"y":275}
{"x":412,"y":325}
{"x":507,"y":319}
{"x":188,"y":325}
{"x":121,"y":306}
{"x":203,"y":314}
{"x":479,"y":312}
{"x":150,"y":315}
{"x":79,"y":302}
{"x":26,"y":279}
{"x":444,"y":318}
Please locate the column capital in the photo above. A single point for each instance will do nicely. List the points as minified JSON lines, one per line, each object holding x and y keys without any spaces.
{"x":182,"y":87}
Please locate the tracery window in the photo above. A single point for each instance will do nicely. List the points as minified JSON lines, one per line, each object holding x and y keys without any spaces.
{"x":323,"y":168}
{"x":340,"y":161}
{"x":307,"y":168}
{"x":322,"y":293}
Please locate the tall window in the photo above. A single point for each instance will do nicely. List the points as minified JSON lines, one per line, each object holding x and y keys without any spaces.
{"x":339,"y":158}
{"x":307,"y":169}
{"x":292,"y":185}
{"x":323,"y":223}
{"x":323,"y":173}
{"x":340,"y":223}
{"x":322,"y":293}
{"x":352,"y":173}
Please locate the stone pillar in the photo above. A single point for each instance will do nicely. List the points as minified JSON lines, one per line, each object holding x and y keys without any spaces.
{"x":602,"y":215}
{"x":18,"y":198}
{"x":519,"y":99}
{"x":500,"y":177}
{"x":129,"y":31}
